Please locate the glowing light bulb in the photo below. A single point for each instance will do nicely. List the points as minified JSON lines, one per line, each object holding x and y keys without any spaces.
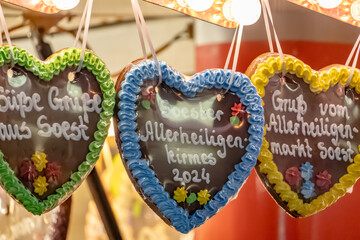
{"x":328,"y":4}
{"x":355,"y":10}
{"x":200,"y":5}
{"x":65,"y":4}
{"x":49,"y":3}
{"x":226,"y":11}
{"x":245,"y":12}
{"x":34,"y":2}
{"x":182,"y":3}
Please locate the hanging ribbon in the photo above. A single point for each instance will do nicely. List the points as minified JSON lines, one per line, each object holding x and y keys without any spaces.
{"x":142,"y":29}
{"x":81,"y":24}
{"x":237,"y":38}
{"x":7,"y":35}
{"x":139,"y":29}
{"x":85,"y":20}
{"x":231,"y":49}
{"x":268,"y":18}
{"x":267,"y":27}
{"x":356,"y":46}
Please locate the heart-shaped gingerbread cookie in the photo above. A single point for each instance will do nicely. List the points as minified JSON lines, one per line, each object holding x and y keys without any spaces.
{"x":187,"y":143}
{"x":310,"y":154}
{"x":53,"y":122}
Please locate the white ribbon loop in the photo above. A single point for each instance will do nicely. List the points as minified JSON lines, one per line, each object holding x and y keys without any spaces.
{"x":7,"y":35}
{"x":85,"y":18}
{"x":268,"y":18}
{"x":352,"y":51}
{"x":356,"y":46}
{"x":139,"y":27}
{"x":231,"y":49}
{"x":142,"y":29}
{"x":81,"y":24}
{"x":237,"y":38}
{"x":267,"y":27}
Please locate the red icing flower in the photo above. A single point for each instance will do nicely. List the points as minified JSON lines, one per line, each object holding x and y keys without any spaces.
{"x":236,"y":109}
{"x":27,"y":171}
{"x":52,"y":173}
{"x":323,"y":180}
{"x":293,"y":176}
{"x":149,"y":94}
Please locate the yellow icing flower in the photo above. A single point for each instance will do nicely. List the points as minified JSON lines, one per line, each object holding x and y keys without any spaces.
{"x":203,"y":197}
{"x":39,"y":159}
{"x":40,"y":185}
{"x":180,"y":194}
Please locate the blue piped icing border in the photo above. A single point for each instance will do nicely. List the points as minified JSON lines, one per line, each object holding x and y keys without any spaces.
{"x":139,"y":167}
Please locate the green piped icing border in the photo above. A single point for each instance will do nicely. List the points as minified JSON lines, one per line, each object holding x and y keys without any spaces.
{"x":46,"y":70}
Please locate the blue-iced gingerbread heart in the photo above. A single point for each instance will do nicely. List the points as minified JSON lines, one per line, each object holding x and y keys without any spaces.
{"x":188,"y":144}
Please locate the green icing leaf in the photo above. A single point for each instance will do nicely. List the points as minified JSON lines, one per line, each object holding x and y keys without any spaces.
{"x":191,"y":198}
{"x":235,"y":121}
{"x":145,"y":104}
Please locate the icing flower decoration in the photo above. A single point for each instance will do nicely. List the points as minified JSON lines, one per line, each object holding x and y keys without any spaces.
{"x":40,"y":185}
{"x":307,"y":189}
{"x":52,"y":173}
{"x":236,"y":109}
{"x":306,"y":171}
{"x":149,"y":94}
{"x":237,"y":114}
{"x":39,"y":159}
{"x":293,"y":177}
{"x":203,"y":196}
{"x":27,"y":171}
{"x":323,"y":180}
{"x":180,"y":194}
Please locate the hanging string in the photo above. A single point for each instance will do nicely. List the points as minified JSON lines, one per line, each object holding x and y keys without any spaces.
{"x":231,"y":49}
{"x":85,"y":17}
{"x":267,"y":27}
{"x":356,"y":46}
{"x":81,"y":25}
{"x":139,"y":29}
{"x":142,"y":29}
{"x":352,"y":51}
{"x":7,"y":35}
{"x":237,"y":38}
{"x":268,"y":16}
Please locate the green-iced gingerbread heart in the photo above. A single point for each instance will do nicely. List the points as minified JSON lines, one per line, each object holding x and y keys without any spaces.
{"x":54,"y":120}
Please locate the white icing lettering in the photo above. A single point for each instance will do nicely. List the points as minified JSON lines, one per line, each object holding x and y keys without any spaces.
{"x":297,"y":105}
{"x":336,"y":153}
{"x":187,"y":177}
{"x":77,"y":130}
{"x":156,"y":132}
{"x":189,"y":158}
{"x":318,"y":128}
{"x":67,"y":103}
{"x":340,"y":133}
{"x":295,"y":150}
{"x":334,"y":110}
{"x":13,"y":132}
{"x":197,"y":113}
{"x":19,"y":102}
